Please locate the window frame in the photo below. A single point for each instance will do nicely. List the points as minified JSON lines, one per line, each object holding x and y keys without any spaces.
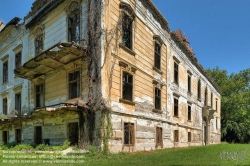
{"x":157,"y":55}
{"x":212,"y":99}
{"x":206,"y":97}
{"x":189,"y":113}
{"x":159,"y":136}
{"x":18,"y":59}
{"x":19,"y":109}
{"x":7,"y":136}
{"x":189,"y":83}
{"x":199,"y":90}
{"x":127,"y":83}
{"x":157,"y":97}
{"x":189,"y":137}
{"x":176,"y":107}
{"x":176,"y":73}
{"x":176,"y":135}
{"x":130,"y":132}
{"x":20,"y":136}
{"x":5,"y":71}
{"x":40,"y":94}
{"x":77,"y":81}
{"x":5,"y":105}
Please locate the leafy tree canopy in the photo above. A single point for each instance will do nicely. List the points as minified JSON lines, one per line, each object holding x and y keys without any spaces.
{"x":235,"y":104}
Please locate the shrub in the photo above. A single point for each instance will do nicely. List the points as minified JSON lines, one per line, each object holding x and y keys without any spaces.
{"x":23,"y":147}
{"x":42,"y":147}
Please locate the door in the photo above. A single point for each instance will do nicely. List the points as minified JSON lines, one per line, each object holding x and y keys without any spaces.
{"x":38,"y":135}
{"x":73,"y":133}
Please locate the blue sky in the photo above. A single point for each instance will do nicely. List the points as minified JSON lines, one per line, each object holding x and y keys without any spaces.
{"x":217,"y":30}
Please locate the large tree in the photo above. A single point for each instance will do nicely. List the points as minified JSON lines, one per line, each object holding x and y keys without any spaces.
{"x":235,"y":104}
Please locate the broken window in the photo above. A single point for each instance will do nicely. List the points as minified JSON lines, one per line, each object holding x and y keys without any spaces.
{"x":127,"y":86}
{"x":5,"y":71}
{"x":38,"y":135}
{"x":176,"y":73}
{"x":175,"y":107}
{"x":189,"y":136}
{"x":5,"y":137}
{"x":189,"y":83}
{"x":159,"y":141}
{"x":199,"y":89}
{"x":157,"y":99}
{"x":39,"y":41}
{"x":73,"y":133}
{"x":74,"y":84}
{"x":157,"y":60}
{"x":5,"y":106}
{"x":127,"y":23}
{"x":189,"y":113}
{"x":18,"y":59}
{"x":40,"y":95}
{"x":129,"y":134}
{"x":205,"y":101}
{"x":18,"y":103}
{"x":18,"y":138}
{"x":74,"y":27}
{"x":176,"y":136}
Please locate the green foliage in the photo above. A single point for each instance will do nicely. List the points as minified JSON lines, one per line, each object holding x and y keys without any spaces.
{"x":42,"y":147}
{"x":23,"y":147}
{"x":64,"y":146}
{"x":235,"y":104}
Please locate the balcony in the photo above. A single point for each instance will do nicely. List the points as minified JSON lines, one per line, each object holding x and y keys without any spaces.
{"x":50,"y":60}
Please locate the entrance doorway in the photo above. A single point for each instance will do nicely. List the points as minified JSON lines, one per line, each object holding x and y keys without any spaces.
{"x":73,"y":133}
{"x":38,"y":135}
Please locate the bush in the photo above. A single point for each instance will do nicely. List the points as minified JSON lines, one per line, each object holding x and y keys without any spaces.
{"x":64,"y":146}
{"x":23,"y":147}
{"x":42,"y":147}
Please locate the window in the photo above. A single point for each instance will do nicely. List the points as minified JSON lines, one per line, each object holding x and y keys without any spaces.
{"x":18,"y":59}
{"x":199,"y":89}
{"x":212,"y":98}
{"x":18,"y":103}
{"x":127,"y":86}
{"x":216,"y":105}
{"x":5,"y":71}
{"x":189,"y":113}
{"x":205,"y":101}
{"x":127,"y":23}
{"x":74,"y":84}
{"x":216,"y":120}
{"x":175,"y":107}
{"x":157,"y":99}
{"x":5,"y":106}
{"x":176,"y":136}
{"x":18,"y":138}
{"x":176,"y":73}
{"x":39,"y":41}
{"x":189,"y":83}
{"x":159,"y":141}
{"x":5,"y":137}
{"x":189,"y":136}
{"x":157,"y":60}
{"x":129,"y":134}
{"x":39,"y":95}
{"x":73,"y":12}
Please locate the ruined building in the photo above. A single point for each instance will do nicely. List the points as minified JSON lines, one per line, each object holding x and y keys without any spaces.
{"x":145,"y":76}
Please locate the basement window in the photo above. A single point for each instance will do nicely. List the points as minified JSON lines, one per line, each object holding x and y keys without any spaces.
{"x":176,"y":135}
{"x":5,"y":137}
{"x":157,"y":99}
{"x":18,"y":135}
{"x":127,"y":86}
{"x":18,"y":59}
{"x":5,"y":106}
{"x":159,"y":141}
{"x":129,"y":134}
{"x":39,"y":95}
{"x":189,"y":136}
{"x":74,"y":84}
{"x":5,"y":71}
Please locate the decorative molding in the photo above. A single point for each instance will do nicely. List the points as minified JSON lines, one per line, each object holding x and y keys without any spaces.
{"x":157,"y":70}
{"x":127,"y":49}
{"x":159,"y":39}
{"x":176,"y":59}
{"x":121,"y":100}
{"x":5,"y":58}
{"x":18,"y":48}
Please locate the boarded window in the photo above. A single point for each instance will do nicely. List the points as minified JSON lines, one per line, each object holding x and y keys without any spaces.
{"x":5,"y":137}
{"x":74,"y":27}
{"x":18,"y":138}
{"x":157,"y":58}
{"x":129,"y":134}
{"x":18,"y":103}
{"x":127,"y":22}
{"x":5,"y":71}
{"x":175,"y":107}
{"x":159,"y":141}
{"x":18,"y":59}
{"x":74,"y":84}
{"x":157,"y":99}
{"x":189,"y":83}
{"x":40,"y":95}
{"x":5,"y":106}
{"x":176,"y":136}
{"x":38,"y":135}
{"x":189,"y":112}
{"x":176,"y":73}
{"x":127,"y":86}
{"x":189,"y":136}
{"x":199,"y":89}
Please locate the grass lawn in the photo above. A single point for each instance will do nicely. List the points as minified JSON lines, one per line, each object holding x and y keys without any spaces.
{"x":223,"y":154}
